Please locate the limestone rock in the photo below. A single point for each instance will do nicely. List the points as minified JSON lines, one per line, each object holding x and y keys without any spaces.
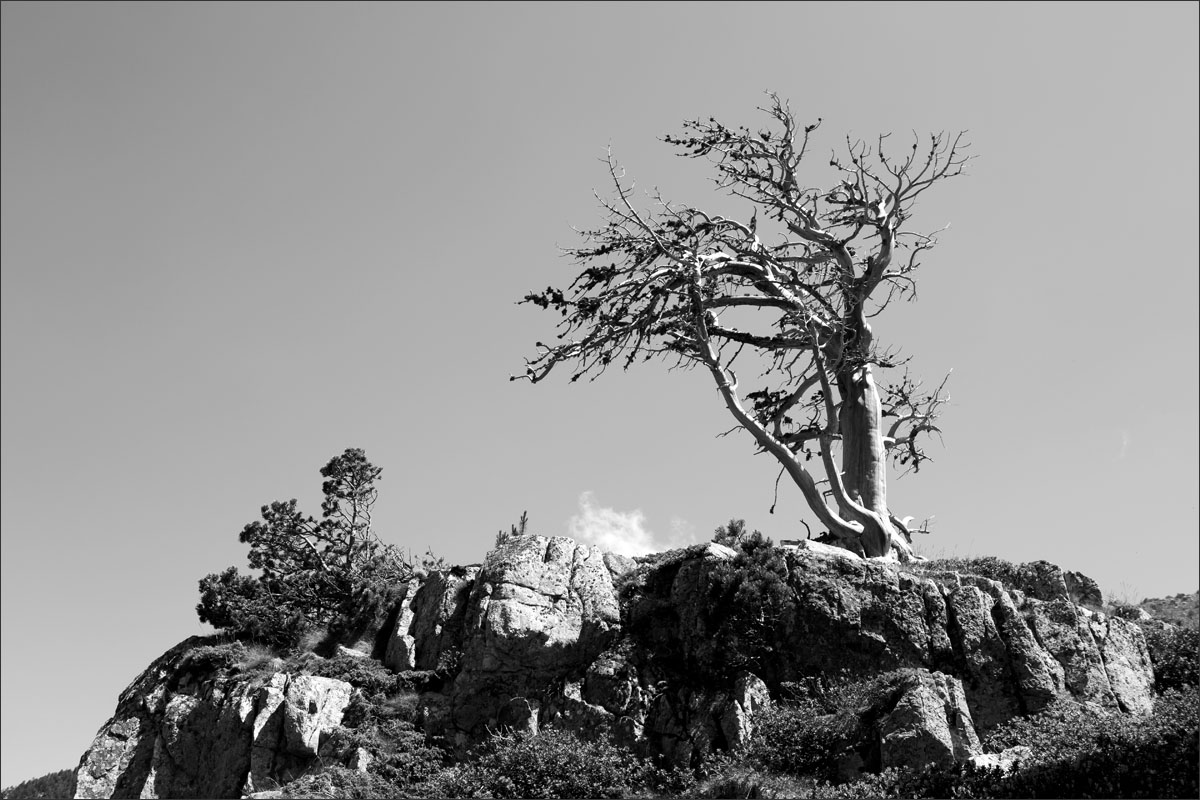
{"x":720,"y":552}
{"x":120,"y":756}
{"x":401,"y":652}
{"x":984,"y":656}
{"x":750,"y":695}
{"x":200,"y":749}
{"x":361,"y":760}
{"x":821,"y":548}
{"x":1004,"y":760}
{"x":537,"y":636}
{"x":1042,"y":580}
{"x":113,"y":752}
{"x":1014,"y":652}
{"x":183,"y":733}
{"x":430,"y":622}
{"x":520,"y":715}
{"x":1083,"y":590}
{"x":312,"y":707}
{"x":1126,"y":661}
{"x":293,"y":714}
{"x":618,"y":564}
{"x":1038,"y":676}
{"x":611,"y":683}
{"x":1065,"y":633}
{"x":685,"y":724}
{"x":540,"y":608}
{"x":930,"y":724}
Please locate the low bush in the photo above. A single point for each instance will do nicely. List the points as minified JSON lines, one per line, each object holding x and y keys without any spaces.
{"x":1083,"y":754}
{"x":727,"y":775}
{"x":1175,"y":654}
{"x":820,"y":723}
{"x":210,"y":658}
{"x":799,"y":740}
{"x":556,"y":764}
{"x":361,"y":672}
{"x":1075,"y":752}
{"x":332,"y":574}
{"x":419,"y":680}
{"x":746,"y":601}
{"x":243,"y":606}
{"x":385,"y":727}
{"x":259,"y":657}
{"x":340,"y":782}
{"x":1181,"y":609}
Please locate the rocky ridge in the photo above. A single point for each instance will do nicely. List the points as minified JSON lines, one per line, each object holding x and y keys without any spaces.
{"x":550,"y":632}
{"x":178,"y":732}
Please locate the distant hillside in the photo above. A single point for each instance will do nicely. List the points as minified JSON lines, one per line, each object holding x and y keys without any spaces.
{"x":56,"y":784}
{"x":1182,"y":609}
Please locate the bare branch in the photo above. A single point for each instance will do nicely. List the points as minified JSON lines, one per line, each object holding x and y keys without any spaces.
{"x":796,"y":283}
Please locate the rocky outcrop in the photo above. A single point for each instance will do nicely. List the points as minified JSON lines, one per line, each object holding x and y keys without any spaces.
{"x":429,"y":626}
{"x":750,"y":695}
{"x":1083,"y":590}
{"x":544,"y":641}
{"x":1126,"y":661}
{"x":930,"y":724}
{"x":293,"y":714}
{"x":541,"y":610}
{"x":673,"y":654}
{"x":177,"y":734}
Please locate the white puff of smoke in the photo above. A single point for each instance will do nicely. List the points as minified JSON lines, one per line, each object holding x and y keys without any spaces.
{"x":622,"y":532}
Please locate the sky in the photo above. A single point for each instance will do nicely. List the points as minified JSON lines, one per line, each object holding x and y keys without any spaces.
{"x":238,"y":239}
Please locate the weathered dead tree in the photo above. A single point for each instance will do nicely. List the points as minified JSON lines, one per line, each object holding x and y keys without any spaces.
{"x":790,"y":290}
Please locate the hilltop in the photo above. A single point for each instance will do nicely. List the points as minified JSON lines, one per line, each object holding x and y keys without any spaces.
{"x":561,"y":670}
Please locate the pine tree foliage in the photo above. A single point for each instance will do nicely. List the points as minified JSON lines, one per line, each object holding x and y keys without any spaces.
{"x":312,"y":572}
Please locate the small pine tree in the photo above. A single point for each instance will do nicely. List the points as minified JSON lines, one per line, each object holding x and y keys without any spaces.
{"x":504,"y":537}
{"x":334,"y":572}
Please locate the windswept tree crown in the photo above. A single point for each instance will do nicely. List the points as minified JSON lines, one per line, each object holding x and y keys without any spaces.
{"x":791,"y":290}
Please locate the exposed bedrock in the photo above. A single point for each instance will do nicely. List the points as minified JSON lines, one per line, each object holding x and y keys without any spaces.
{"x":550,"y":632}
{"x":179,"y":733}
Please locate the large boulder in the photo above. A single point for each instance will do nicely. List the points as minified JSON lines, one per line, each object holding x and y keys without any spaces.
{"x":540,"y":609}
{"x":536,"y":610}
{"x":1064,"y":630}
{"x":1126,"y":661}
{"x":1015,"y":650}
{"x":930,"y":724}
{"x":294,"y":715}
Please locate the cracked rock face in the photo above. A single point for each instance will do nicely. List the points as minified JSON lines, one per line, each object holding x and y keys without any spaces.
{"x":544,"y":611}
{"x":430,"y":620}
{"x":538,"y":636}
{"x":174,"y":737}
{"x":540,"y":609}
{"x":930,"y":724}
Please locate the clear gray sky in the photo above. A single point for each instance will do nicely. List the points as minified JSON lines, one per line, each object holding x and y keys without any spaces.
{"x":240,"y":238}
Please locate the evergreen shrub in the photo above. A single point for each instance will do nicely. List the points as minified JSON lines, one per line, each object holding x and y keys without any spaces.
{"x":556,"y":764}
{"x":1175,"y":654}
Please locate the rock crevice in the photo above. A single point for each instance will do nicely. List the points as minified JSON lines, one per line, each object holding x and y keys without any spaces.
{"x":550,"y":632}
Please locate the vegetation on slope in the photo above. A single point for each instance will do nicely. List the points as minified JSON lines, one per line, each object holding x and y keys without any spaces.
{"x":1181,"y":609}
{"x":805,"y":744}
{"x":54,"y":785}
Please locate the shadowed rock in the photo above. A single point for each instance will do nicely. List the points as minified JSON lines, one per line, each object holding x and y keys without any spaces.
{"x":550,"y":632}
